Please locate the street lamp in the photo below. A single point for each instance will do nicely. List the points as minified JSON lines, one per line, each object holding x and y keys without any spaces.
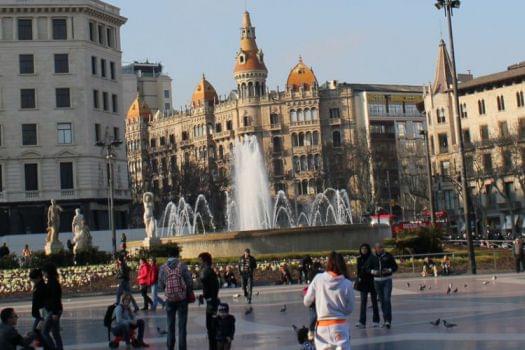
{"x":430,"y":185}
{"x":448,"y":6}
{"x":108,"y":147}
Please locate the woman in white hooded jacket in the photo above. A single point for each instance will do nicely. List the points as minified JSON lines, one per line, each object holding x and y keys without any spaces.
{"x":333,"y":295}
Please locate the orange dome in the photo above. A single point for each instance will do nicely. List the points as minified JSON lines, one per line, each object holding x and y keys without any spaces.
{"x":248,"y":61}
{"x":301,"y":75}
{"x":204,"y":94}
{"x":138,"y":109}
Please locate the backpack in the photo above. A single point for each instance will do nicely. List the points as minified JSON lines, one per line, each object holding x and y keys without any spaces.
{"x":175,"y":286}
{"x":108,"y":317}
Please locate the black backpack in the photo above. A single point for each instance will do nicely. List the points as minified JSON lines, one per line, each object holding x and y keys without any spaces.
{"x":108,"y":318}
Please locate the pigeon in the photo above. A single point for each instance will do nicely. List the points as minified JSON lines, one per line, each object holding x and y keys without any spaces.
{"x":408,"y":284}
{"x":455,"y":290}
{"x":429,"y":287}
{"x":422,"y":287}
{"x":236,"y":296}
{"x":449,"y":290}
{"x":161,"y":332}
{"x":466,"y":285}
{"x":295,"y":328}
{"x":494,"y":278}
{"x":485,"y":283}
{"x":436,"y":322}
{"x":248,"y":311}
{"x":283,"y":309}
{"x":257,"y":293}
{"x":449,"y":325}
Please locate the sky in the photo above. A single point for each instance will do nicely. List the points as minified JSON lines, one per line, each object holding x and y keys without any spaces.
{"x":356,"y":41}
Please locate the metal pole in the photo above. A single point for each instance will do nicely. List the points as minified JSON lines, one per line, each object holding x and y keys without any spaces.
{"x":430,"y":184}
{"x":111,"y":206}
{"x":459,"y":133}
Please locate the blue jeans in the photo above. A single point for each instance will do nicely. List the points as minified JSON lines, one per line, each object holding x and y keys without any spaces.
{"x":173,"y":310}
{"x":384,"y":292}
{"x":52,"y":328}
{"x":124,"y":331}
{"x":155,"y":295}
{"x":124,"y":286}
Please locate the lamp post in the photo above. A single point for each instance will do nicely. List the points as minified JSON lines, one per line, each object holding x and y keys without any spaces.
{"x":108,"y":147}
{"x":430,"y":185}
{"x":448,"y":6}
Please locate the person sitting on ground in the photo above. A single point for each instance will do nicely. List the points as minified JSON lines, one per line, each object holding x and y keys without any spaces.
{"x":125,"y":322}
{"x":10,"y":339}
{"x":429,"y":265}
{"x":229,"y":277}
{"x":445,"y":265}
{"x":225,"y":327}
{"x":285,"y":275}
{"x":303,"y":340}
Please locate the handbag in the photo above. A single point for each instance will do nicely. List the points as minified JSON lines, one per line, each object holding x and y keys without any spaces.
{"x":358,"y":284}
{"x":191,"y":297}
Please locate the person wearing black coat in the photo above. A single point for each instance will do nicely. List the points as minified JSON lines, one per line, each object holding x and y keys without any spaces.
{"x":53,"y":306}
{"x":247,"y":266}
{"x":365,"y":285}
{"x":382,"y":265}
{"x":210,"y":292}
{"x":38,"y":303}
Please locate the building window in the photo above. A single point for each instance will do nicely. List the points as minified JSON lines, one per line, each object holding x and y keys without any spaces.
{"x":443,"y":143}
{"x":29,"y":137}
{"x":246,"y":121}
{"x":93,"y":65}
{"x":463,"y":110}
{"x":103,"y":67}
{"x":97,"y":132}
{"x":27,"y":99}
{"x":274,"y":119}
{"x":66,"y":176}
{"x":96,"y":104}
{"x":65,"y":133}
{"x":334,"y":113}
{"x":506,"y":156}
{"x":441,"y":118}
{"x":1,"y":180}
{"x":445,"y":168}
{"x":59,"y":29}
{"x":519,"y":99}
{"x":278,"y":168}
{"x":100,"y":34}
{"x":25,"y":29}
{"x":277,"y":144}
{"x":26,"y":64}
{"x":501,"y":103}
{"x":218,"y":127}
{"x":484,"y":132}
{"x":31,"y":176}
{"x":110,"y":36}
{"x":481,"y":107}
{"x":63,"y":99}
{"x":172,"y":139}
{"x":112,"y":70}
{"x":114,"y":103}
{"x":105,"y":102}
{"x":229,"y":125}
{"x":166,"y":93}
{"x":487,"y":162}
{"x":503,"y":129}
{"x":92,"y":31}
{"x":61,"y":63}
{"x":336,"y":138}
{"x":466,"y":137}
{"x":116,"y":133}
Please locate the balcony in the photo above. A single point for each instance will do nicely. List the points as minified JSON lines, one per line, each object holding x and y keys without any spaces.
{"x":275,"y":127}
{"x":334,"y":121}
{"x":67,"y":193}
{"x":185,"y":143}
{"x":223,"y":135}
{"x":247,"y":129}
{"x":304,"y":123}
{"x":32,"y":194}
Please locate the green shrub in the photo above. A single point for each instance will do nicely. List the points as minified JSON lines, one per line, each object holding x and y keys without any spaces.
{"x":9,"y":262}
{"x":67,"y":258}
{"x":160,"y":251}
{"x":424,"y":240}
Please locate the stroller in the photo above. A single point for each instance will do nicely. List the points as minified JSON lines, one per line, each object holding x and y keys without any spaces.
{"x":108,"y":320}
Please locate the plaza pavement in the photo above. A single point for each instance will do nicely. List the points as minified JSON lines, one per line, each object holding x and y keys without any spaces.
{"x":488,"y":315}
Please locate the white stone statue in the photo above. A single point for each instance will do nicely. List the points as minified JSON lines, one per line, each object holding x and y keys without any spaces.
{"x":82,"y":239}
{"x":53,"y":244}
{"x":150,"y":224}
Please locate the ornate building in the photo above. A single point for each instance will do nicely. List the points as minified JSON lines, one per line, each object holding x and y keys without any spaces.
{"x":306,"y":131}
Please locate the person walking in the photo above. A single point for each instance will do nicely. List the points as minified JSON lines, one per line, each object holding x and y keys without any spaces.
{"x":154,"y":280}
{"x":247,"y":266}
{"x":304,"y":269}
{"x":10,"y":339}
{"x":125,"y":323}
{"x":333,"y":295}
{"x":39,"y":299}
{"x":123,"y":281}
{"x":365,"y":285}
{"x":53,"y":307}
{"x":519,"y":254}
{"x":144,"y":281}
{"x":210,"y":292}
{"x":382,"y":265}
{"x":176,"y":282}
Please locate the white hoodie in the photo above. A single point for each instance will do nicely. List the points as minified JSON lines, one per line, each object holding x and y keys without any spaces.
{"x":333,"y":296}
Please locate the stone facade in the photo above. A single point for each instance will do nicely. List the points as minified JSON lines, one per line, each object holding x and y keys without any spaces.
{"x":492,"y":112}
{"x":305,"y":131}
{"x":60,"y":91}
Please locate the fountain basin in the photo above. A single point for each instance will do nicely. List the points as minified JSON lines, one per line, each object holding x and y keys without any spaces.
{"x":275,"y":241}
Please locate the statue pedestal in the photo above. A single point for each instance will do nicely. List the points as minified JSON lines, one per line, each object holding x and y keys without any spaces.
{"x":53,"y":247}
{"x":150,"y":242}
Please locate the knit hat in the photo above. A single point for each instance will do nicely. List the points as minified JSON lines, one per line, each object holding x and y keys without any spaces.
{"x":224,"y":308}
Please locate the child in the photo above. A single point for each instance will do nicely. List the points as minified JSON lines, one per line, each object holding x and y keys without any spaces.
{"x":225,"y":327}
